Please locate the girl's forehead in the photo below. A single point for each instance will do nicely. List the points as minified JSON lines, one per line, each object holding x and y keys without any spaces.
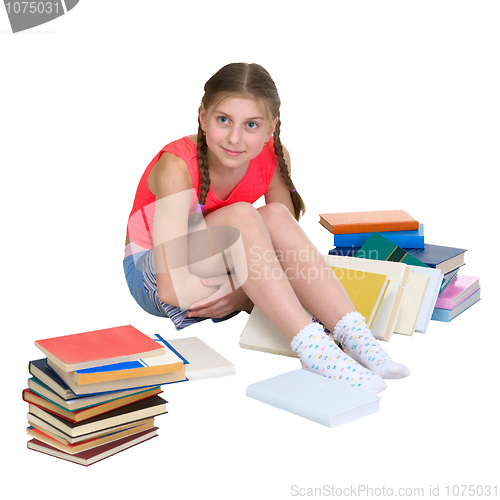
{"x":242,"y":104}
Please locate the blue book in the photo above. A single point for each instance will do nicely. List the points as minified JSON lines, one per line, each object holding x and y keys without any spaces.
{"x":403,"y":239}
{"x":170,"y":361}
{"x":447,"y":315}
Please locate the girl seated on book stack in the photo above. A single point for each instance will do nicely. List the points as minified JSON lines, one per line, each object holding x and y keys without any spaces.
{"x":196,"y":247}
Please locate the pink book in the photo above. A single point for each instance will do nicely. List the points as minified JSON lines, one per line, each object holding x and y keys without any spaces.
{"x":457,"y":291}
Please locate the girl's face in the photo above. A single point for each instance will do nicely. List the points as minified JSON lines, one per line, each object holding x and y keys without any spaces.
{"x":236,"y":130}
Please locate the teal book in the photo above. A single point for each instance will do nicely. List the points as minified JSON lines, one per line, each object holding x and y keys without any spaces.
{"x":377,"y":247}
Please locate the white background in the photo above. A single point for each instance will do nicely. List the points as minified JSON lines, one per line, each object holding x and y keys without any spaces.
{"x":385,"y":105}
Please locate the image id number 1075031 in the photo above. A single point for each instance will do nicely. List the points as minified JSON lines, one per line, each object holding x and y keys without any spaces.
{"x":33,"y":7}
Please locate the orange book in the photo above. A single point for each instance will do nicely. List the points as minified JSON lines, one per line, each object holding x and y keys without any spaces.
{"x":99,"y":348}
{"x":367,"y":222}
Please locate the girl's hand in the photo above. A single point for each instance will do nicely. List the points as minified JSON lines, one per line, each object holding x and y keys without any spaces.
{"x":221,"y":303}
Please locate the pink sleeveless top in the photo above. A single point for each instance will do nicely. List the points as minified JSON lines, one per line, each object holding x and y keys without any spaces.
{"x":252,"y":186}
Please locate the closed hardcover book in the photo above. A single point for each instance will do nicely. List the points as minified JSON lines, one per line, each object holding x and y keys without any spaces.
{"x":447,"y":315}
{"x":73,"y":448}
{"x":146,"y":408}
{"x":89,"y":412}
{"x":365,"y":289}
{"x":166,"y":362}
{"x":77,"y":403}
{"x":98,"y":348}
{"x":397,"y":273}
{"x":376,"y":247}
{"x":446,"y":259}
{"x":202,"y":361}
{"x":412,"y":304}
{"x":117,"y":385}
{"x":88,"y":457}
{"x":324,"y":401}
{"x":367,"y":222}
{"x":458,"y":290}
{"x":429,"y":302}
{"x":404,"y":239}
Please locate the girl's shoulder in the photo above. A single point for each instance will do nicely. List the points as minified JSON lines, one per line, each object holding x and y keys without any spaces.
{"x":171,"y":171}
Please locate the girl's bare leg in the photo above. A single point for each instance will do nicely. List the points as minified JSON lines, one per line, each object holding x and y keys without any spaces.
{"x":267,"y":286}
{"x":318,"y":288}
{"x":311,"y":277}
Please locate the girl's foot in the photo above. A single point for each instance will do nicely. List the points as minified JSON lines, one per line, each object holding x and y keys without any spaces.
{"x":356,"y":339}
{"x":319,"y":354}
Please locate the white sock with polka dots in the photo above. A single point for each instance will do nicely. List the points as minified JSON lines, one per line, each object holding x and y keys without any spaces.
{"x":357,"y":341}
{"x":319,"y":354}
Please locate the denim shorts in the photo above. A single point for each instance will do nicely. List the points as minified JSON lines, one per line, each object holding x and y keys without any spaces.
{"x":141,"y":279}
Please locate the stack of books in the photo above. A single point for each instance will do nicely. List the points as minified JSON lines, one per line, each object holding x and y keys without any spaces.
{"x":395,"y":236}
{"x":97,"y":393}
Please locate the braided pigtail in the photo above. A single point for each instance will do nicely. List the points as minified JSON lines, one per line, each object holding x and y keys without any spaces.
{"x":201,"y":146}
{"x":298,"y":203}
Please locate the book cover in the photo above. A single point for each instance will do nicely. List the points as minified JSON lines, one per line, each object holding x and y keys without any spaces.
{"x":459,"y":289}
{"x":404,"y":239}
{"x":70,"y":448}
{"x":202,"y":361}
{"x":116,"y":385}
{"x":445,"y":259}
{"x":376,"y":247}
{"x":80,"y":402}
{"x":429,"y":302}
{"x":146,"y":408}
{"x":365,"y":289}
{"x":99,"y":347}
{"x":412,"y":304}
{"x":344,"y":251}
{"x":448,"y":277}
{"x":397,"y":273}
{"x":93,"y":455}
{"x":324,"y":401}
{"x":367,"y":222}
{"x":64,"y":438}
{"x":447,"y":315}
{"x":89,"y":412}
{"x":39,"y":369}
{"x":259,"y":334}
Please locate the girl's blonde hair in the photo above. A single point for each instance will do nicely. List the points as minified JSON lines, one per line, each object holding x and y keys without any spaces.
{"x":248,"y":80}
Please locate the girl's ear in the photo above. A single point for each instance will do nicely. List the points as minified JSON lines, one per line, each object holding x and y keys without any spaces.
{"x":273,"y":127}
{"x":203,"y":114}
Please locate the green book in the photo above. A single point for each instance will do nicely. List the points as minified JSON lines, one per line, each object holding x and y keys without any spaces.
{"x":377,"y":247}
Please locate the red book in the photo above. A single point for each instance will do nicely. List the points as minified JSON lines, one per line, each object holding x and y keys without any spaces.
{"x":93,"y":455}
{"x":99,"y":348}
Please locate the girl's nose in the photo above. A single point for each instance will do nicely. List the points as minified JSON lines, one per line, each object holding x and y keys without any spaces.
{"x":234,"y":135}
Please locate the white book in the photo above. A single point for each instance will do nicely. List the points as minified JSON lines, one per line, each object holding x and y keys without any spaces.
{"x":412,"y":303}
{"x":435,"y":280}
{"x":324,"y":401}
{"x":260,"y":334}
{"x":203,"y":361}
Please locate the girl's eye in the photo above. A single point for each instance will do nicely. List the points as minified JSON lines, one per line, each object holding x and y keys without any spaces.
{"x":252,"y":125}
{"x":223,"y":119}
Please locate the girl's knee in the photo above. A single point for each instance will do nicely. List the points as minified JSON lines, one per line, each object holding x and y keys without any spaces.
{"x":237,"y":214}
{"x":276,"y":215}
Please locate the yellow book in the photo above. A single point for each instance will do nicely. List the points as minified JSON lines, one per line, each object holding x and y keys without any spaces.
{"x":365,"y":289}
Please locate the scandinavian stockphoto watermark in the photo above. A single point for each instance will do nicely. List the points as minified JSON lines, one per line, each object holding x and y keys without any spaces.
{"x":25,"y":15}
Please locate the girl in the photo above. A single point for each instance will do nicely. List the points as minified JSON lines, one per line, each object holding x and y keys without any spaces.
{"x":198,"y":249}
